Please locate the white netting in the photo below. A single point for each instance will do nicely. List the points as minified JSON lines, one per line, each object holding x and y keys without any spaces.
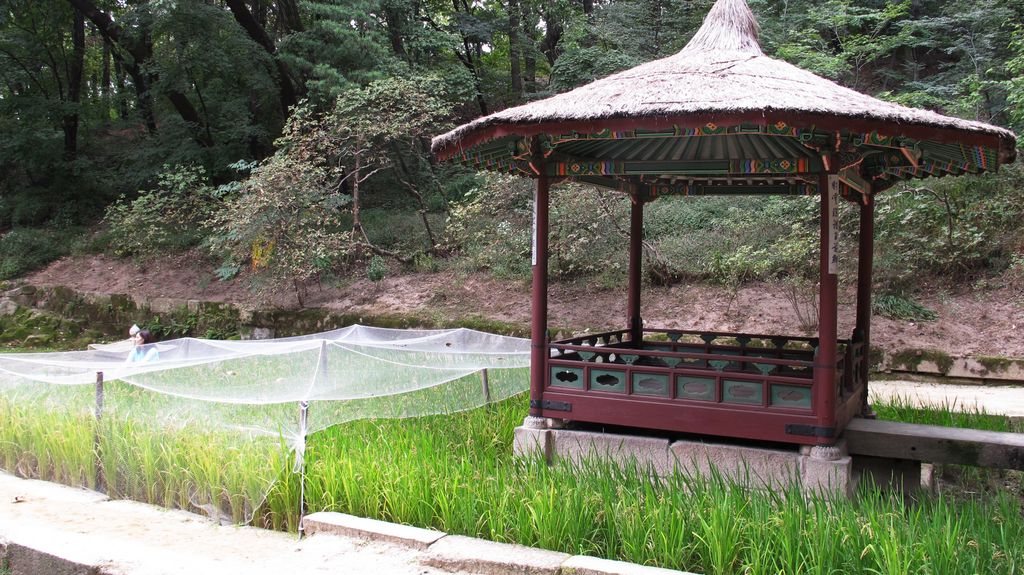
{"x":358,"y":365}
{"x":257,"y":387}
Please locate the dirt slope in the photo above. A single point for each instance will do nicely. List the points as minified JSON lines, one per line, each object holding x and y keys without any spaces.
{"x":971,"y":321}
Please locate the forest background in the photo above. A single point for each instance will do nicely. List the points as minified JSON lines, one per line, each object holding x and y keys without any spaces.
{"x":288,"y":140}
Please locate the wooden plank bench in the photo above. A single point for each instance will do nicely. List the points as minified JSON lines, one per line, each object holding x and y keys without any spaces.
{"x":935,"y":444}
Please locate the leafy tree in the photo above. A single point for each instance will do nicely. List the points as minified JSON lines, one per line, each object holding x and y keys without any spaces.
{"x":384,"y":126}
{"x":343,"y":44}
{"x":283,"y":219}
{"x":286,"y":219}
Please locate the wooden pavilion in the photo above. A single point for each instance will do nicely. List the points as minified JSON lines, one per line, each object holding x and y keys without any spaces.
{"x":718,"y":118}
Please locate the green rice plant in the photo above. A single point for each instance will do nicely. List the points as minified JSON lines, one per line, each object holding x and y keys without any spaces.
{"x":720,"y":529}
{"x":948,"y":414}
{"x":457,"y":473}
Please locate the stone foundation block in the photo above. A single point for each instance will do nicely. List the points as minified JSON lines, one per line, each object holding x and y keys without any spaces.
{"x":749,"y":466}
{"x":625,"y":450}
{"x":531,"y":442}
{"x":828,"y":476}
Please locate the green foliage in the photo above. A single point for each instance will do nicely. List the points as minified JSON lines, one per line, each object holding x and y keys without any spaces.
{"x":586,"y":64}
{"x":343,"y":47}
{"x":852,"y":37}
{"x":377,"y":269}
{"x":492,"y":229}
{"x":169,"y":218}
{"x":732,"y":241}
{"x":23,"y":250}
{"x":959,"y":228}
{"x":387,"y":75}
{"x":200,"y":55}
{"x":897,"y":306}
{"x":397,"y":228}
{"x":210,"y":322}
{"x":1015,"y":84}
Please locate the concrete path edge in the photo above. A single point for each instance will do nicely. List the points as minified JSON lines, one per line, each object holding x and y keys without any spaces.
{"x":458,"y":553}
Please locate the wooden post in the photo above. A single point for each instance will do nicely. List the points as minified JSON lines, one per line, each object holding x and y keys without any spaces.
{"x":636,"y":239}
{"x":486,"y":385}
{"x":300,"y":460}
{"x":539,"y":311}
{"x":825,"y":359}
{"x":101,"y":479}
{"x":865,"y":263}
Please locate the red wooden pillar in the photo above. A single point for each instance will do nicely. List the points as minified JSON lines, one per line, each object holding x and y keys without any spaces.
{"x":825,"y":360}
{"x":636,"y":239}
{"x":865,"y":263}
{"x":539,"y":311}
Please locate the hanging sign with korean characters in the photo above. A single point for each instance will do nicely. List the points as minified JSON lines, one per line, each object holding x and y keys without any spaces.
{"x":833,"y":224}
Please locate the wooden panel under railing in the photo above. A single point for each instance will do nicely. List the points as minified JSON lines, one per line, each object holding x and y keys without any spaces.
{"x":727,"y":384}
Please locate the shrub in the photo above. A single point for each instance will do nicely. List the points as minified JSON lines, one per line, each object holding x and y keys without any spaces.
{"x":282,"y":221}
{"x":25,"y":249}
{"x":377,"y":269}
{"x":957,"y":228}
{"x":492,"y":227}
{"x":732,"y":241}
{"x":898,"y":306}
{"x":171,"y":218}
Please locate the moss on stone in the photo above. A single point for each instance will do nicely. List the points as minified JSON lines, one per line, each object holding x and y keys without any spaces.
{"x":876,"y":357}
{"x":911,"y":359}
{"x":996,"y":364}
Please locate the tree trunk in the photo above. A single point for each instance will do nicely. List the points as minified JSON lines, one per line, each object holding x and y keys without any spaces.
{"x":357,"y":222}
{"x":122,"y":102}
{"x":514,"y":50}
{"x":286,"y":91}
{"x":77,"y":65}
{"x":289,"y":12}
{"x":393,"y":21}
{"x":105,"y":75}
{"x":553,"y":33}
{"x":140,"y":47}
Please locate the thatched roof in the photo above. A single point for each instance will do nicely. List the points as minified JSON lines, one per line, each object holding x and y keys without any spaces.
{"x":722,"y":77}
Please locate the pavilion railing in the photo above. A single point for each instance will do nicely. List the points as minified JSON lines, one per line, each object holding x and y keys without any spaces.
{"x":736,"y":369}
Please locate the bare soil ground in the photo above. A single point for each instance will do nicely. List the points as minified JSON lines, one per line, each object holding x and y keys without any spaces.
{"x":972,"y":320}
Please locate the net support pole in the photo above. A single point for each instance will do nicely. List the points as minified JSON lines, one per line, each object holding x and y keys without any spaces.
{"x":101,"y":479}
{"x":486,"y":386}
{"x":303,"y":414}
